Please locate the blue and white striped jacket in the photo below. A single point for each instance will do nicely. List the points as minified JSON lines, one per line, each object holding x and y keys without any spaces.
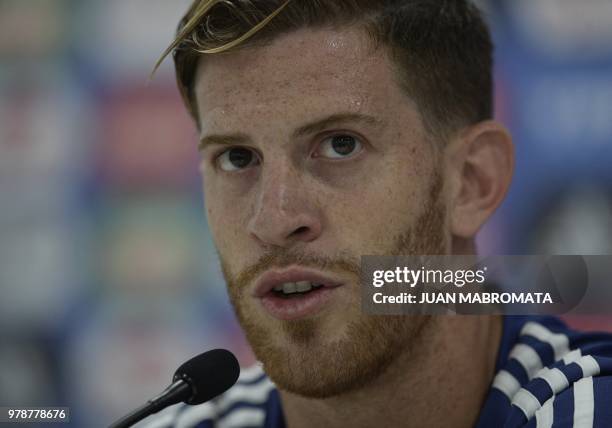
{"x":547,"y":376}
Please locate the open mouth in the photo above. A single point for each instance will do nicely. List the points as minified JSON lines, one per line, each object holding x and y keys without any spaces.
{"x":295,"y":292}
{"x":293,"y":300}
{"x":290,"y":290}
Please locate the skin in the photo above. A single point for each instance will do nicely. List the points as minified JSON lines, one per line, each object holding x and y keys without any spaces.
{"x":299,"y":199}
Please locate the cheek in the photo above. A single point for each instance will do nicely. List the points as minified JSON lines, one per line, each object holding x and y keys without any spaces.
{"x":225,"y":196}
{"x":223,"y":214}
{"x":369,"y":217}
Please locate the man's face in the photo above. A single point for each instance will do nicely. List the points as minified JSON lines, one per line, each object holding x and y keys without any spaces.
{"x":313,"y":156}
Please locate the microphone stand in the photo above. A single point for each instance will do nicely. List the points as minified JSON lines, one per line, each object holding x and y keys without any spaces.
{"x":175,"y":393}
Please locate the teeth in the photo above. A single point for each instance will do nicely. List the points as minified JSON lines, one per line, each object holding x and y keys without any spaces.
{"x":303,"y":286}
{"x":289,"y":287}
{"x":296,"y":287}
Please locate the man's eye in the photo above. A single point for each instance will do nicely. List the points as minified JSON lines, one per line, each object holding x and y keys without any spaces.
{"x":236,"y":158}
{"x":339,"y":146}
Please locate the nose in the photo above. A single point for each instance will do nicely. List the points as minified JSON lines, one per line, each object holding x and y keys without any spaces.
{"x":285,"y":211}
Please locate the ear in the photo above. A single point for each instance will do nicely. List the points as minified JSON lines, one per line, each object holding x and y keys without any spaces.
{"x":480,"y":161}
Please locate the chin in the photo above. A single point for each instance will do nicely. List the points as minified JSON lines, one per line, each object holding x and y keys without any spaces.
{"x":316,"y":358}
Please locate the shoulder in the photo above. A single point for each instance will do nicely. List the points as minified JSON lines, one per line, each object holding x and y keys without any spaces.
{"x":556,"y":375}
{"x":244,"y":405}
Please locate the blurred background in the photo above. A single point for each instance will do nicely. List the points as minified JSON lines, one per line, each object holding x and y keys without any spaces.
{"x":108,"y":276}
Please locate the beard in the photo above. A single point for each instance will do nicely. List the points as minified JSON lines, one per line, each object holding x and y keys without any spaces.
{"x":296,"y":355}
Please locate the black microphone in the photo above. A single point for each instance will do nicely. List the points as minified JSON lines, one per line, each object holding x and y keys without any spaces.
{"x":196,"y":381}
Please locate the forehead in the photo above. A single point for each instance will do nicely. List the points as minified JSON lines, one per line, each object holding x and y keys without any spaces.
{"x":308,"y":71}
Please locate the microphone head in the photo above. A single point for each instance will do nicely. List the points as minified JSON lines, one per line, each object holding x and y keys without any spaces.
{"x":209,"y":374}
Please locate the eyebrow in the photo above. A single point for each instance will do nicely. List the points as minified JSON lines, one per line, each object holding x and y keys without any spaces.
{"x":230,"y":139}
{"x":308,"y":129}
{"x":335,"y":120}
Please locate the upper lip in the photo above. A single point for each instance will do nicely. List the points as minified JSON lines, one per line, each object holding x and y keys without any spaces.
{"x":271,"y":278}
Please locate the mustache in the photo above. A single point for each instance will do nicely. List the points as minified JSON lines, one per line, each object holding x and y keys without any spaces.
{"x":279,"y":258}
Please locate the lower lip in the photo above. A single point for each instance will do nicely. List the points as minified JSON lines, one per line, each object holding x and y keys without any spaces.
{"x":300,"y":306}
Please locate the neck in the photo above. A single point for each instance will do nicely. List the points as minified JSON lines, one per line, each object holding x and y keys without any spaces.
{"x":445,"y":377}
